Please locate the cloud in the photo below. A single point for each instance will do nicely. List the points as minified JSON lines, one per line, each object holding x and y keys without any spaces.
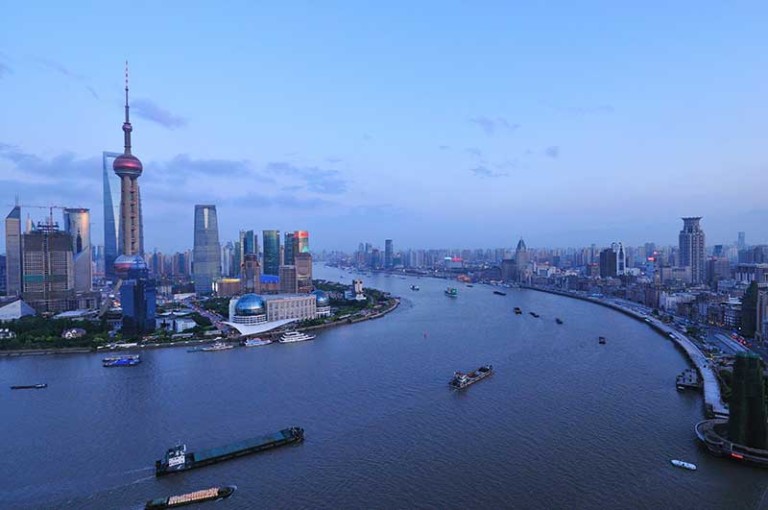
{"x":475,"y":152}
{"x":553,"y":151}
{"x":67,"y":72}
{"x":333,"y":160}
{"x":148,"y":110}
{"x":4,"y":70}
{"x":443,"y":147}
{"x":367,"y":137}
{"x":485,"y":173}
{"x":316,"y":179}
{"x":491,"y":125}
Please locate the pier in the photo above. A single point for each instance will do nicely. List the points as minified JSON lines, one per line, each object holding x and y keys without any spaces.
{"x":714,"y":406}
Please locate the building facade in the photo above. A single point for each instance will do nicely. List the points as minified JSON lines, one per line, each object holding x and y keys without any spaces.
{"x":290,"y":249}
{"x":304,"y":272}
{"x":206,"y":257}
{"x":691,"y":245}
{"x":271,"y":240}
{"x":13,"y":253}
{"x":77,"y":223}
{"x":254,"y":309}
{"x":48,"y":270}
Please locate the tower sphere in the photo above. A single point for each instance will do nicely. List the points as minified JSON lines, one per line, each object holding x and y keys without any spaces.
{"x":127,"y":164}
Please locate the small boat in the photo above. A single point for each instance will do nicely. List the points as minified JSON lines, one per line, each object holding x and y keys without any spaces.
{"x":601,"y":340}
{"x":461,"y":380}
{"x":683,"y":464}
{"x":212,"y":494}
{"x":452,"y":292}
{"x":499,"y":293}
{"x":470,"y":285}
{"x":217,"y":346}
{"x":534,"y":314}
{"x":294,"y":336}
{"x":256,"y":342}
{"x":415,"y":287}
{"x":30,"y":386}
{"x":559,"y":320}
{"x":518,"y":311}
{"x":121,"y":361}
{"x":124,"y":356}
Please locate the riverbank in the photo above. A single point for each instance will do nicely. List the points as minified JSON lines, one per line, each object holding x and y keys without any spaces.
{"x":394,"y":303}
{"x":714,"y":406}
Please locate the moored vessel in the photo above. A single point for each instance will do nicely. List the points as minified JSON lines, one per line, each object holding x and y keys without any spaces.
{"x":217,"y":346}
{"x":461,"y":380}
{"x":452,"y":292}
{"x":121,"y":361}
{"x":30,"y":386}
{"x":256,"y":342}
{"x":177,"y":459}
{"x":212,"y":494}
{"x":295,"y":336}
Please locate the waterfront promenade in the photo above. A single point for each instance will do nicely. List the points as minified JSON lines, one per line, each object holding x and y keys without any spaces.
{"x":713,"y":402}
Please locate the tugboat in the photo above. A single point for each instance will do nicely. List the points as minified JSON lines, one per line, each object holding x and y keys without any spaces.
{"x":178,"y":459}
{"x":452,"y":292}
{"x":601,"y":340}
{"x":461,"y":380}
{"x":30,"y":386}
{"x":518,"y":311}
{"x":212,"y":494}
{"x":559,"y":320}
{"x":121,"y":361}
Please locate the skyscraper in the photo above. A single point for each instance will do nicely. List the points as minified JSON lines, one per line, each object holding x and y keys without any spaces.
{"x":13,"y":262}
{"x":521,"y":260}
{"x":77,"y":223}
{"x":111,"y":198}
{"x":129,"y":169}
{"x":248,"y":243}
{"x":692,"y":248}
{"x":289,"y":251}
{"x":49,"y":280}
{"x":206,"y":259}
{"x":271,"y":240}
{"x":304,"y":272}
{"x":747,"y":420}
{"x":388,"y":254}
{"x":301,"y":242}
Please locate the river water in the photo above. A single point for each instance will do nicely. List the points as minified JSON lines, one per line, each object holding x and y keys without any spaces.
{"x":563,"y":422}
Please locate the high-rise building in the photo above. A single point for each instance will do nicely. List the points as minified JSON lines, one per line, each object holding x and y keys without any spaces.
{"x":692,"y":248}
{"x":13,"y":257}
{"x":250,"y":274}
{"x":289,"y":249}
{"x":301,"y":242}
{"x":111,"y":199}
{"x":271,"y":240}
{"x":608,"y":260}
{"x":48,"y":269}
{"x":304,"y":272}
{"x":288,"y":283}
{"x":747,"y":419}
{"x":227,"y":260}
{"x":77,"y":223}
{"x":741,"y":242}
{"x":389,"y":254}
{"x":521,"y":260}
{"x":248,"y":244}
{"x":206,"y":259}
{"x":621,"y":258}
{"x":129,"y":169}
{"x":137,"y":295}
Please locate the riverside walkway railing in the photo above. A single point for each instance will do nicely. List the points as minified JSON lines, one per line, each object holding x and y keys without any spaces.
{"x":713,"y":401}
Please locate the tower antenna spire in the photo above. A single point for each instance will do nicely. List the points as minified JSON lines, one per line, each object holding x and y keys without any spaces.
{"x":127,"y":128}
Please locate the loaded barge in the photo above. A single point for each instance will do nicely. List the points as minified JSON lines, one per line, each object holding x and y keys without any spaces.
{"x":461,"y":380}
{"x":212,"y":494}
{"x":178,"y":459}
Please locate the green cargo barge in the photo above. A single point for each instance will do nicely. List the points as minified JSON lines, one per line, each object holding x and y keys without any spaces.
{"x":178,"y":459}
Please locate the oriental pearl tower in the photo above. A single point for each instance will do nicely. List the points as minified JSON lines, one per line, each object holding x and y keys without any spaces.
{"x":129,"y":168}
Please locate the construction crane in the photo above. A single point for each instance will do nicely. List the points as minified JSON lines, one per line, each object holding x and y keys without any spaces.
{"x":49,"y":207}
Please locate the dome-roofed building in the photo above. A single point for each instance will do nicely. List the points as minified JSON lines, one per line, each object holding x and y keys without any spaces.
{"x":255,"y":309}
{"x":323,"y":303}
{"x":248,"y":309}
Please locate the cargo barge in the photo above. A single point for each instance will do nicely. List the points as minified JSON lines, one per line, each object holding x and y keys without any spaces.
{"x":212,"y":494}
{"x":30,"y":386}
{"x":178,"y":459}
{"x":461,"y":380}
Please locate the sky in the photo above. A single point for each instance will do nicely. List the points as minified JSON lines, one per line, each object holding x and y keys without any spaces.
{"x":436,"y":124}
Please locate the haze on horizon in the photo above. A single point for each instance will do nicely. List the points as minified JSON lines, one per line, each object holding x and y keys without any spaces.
{"x":435,"y":124}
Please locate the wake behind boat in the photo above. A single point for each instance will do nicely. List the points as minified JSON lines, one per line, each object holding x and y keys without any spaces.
{"x":295,"y":336}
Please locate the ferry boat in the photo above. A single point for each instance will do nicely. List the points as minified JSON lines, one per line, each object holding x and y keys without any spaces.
{"x":499,"y":293}
{"x":683,"y":464}
{"x":30,"y":386}
{"x":124,"y":356}
{"x":415,"y":287}
{"x":256,"y":342}
{"x":601,"y":340}
{"x":217,"y":346}
{"x":452,"y":292}
{"x":518,"y":311}
{"x":212,"y":494}
{"x":461,"y":380}
{"x":558,"y":320}
{"x":177,"y":459}
{"x":121,"y":361}
{"x":294,"y":336}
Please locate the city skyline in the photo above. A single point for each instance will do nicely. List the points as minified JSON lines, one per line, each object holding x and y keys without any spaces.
{"x":476,"y":133}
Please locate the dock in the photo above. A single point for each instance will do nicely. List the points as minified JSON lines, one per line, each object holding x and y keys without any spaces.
{"x":689,"y":379}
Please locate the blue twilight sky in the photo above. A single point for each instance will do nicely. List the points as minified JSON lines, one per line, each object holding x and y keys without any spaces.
{"x":438,"y":124}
